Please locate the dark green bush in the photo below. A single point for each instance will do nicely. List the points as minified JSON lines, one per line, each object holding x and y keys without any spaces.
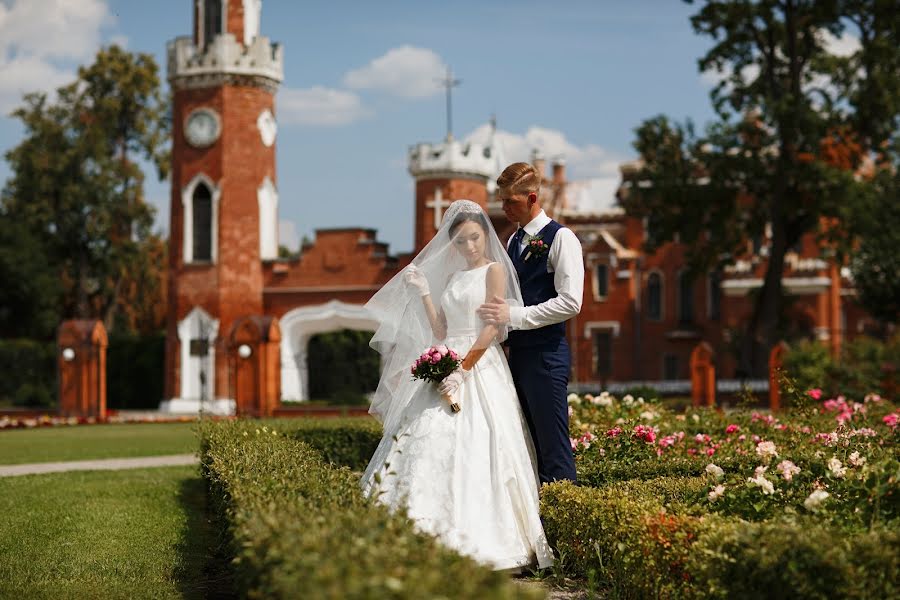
{"x":28,"y":373}
{"x":860,"y":370}
{"x":300,"y":527}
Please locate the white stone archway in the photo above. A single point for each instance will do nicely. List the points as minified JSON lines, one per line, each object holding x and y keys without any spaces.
{"x":195,"y":396}
{"x":299,"y":325}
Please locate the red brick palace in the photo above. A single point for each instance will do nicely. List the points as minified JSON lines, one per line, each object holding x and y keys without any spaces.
{"x":233,"y":302}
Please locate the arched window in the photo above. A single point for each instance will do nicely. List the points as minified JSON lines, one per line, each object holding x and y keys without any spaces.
{"x":212,"y":20}
{"x":654,"y":296}
{"x":201,"y":235}
{"x":685,"y":298}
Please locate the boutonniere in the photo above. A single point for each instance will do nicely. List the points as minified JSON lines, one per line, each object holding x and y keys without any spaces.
{"x":536,"y":247}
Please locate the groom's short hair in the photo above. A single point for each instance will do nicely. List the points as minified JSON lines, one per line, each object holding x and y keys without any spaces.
{"x":519,"y":178}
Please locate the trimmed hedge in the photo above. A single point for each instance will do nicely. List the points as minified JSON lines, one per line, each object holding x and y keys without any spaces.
{"x":345,"y":442}
{"x":641,"y":540}
{"x":296,"y":525}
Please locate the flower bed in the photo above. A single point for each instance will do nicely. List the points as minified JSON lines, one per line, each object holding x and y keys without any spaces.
{"x":295,"y":524}
{"x":754,"y":505}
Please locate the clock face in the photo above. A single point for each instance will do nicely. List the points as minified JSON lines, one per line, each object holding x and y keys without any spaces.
{"x":202,"y":127}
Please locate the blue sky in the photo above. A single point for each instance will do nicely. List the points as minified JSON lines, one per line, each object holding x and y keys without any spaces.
{"x":575,"y":77}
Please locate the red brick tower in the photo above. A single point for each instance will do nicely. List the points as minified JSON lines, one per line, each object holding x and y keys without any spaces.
{"x":445,"y":172}
{"x":224,"y":201}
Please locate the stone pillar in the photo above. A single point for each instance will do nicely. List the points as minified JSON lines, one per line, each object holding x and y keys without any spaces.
{"x":254,"y":360}
{"x":703,"y":376}
{"x":82,"y":368}
{"x":776,"y":362}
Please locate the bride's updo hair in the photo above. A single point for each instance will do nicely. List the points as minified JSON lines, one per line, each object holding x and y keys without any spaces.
{"x":519,"y":178}
{"x":462,"y":217}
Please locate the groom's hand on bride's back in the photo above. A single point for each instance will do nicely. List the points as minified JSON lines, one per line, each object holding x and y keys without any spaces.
{"x":495,"y":311}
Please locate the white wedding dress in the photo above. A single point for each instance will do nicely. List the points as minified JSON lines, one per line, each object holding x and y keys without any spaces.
{"x":469,"y":477}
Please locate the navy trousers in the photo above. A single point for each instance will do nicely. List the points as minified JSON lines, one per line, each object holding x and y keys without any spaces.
{"x":541,"y":375}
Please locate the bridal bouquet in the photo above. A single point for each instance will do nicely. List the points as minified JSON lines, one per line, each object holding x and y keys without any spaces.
{"x":434,"y":365}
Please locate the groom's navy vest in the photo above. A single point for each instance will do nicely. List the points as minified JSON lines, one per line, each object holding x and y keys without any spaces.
{"x":537,"y":286}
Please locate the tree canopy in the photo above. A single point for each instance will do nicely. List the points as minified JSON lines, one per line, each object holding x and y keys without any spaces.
{"x":807,"y":113}
{"x":76,"y":193}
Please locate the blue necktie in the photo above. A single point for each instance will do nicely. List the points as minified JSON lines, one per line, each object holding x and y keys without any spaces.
{"x":517,"y":243}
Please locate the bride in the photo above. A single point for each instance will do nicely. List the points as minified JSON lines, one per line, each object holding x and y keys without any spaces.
{"x":468,"y":478}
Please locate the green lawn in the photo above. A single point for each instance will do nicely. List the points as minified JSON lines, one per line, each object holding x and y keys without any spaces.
{"x":83,"y":442}
{"x":124,"y":534}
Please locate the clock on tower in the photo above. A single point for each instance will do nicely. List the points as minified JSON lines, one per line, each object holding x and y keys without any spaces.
{"x":223,"y":218}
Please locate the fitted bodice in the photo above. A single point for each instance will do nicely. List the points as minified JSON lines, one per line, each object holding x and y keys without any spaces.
{"x":463,"y":295}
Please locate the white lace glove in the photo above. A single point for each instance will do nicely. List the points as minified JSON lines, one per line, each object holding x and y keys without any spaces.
{"x":414,"y":278}
{"x":452,"y":381}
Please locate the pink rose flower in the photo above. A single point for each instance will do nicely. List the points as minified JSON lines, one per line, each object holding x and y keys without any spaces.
{"x":815,"y":394}
{"x":733,"y":428}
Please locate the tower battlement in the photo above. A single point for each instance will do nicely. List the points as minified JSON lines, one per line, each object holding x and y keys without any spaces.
{"x":452,"y":159}
{"x":224,"y":59}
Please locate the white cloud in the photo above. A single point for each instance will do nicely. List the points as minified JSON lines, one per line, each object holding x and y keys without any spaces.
{"x":407,"y":71}
{"x":320,"y":106}
{"x":63,"y":29}
{"x":589,"y":160}
{"x":843,"y":46}
{"x":42,"y":40}
{"x":287,"y":235}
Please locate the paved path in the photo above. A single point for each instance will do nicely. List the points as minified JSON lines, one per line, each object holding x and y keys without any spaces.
{"x":110,"y":464}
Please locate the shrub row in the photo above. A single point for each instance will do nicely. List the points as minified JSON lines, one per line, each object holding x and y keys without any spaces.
{"x":640,"y":539}
{"x":296,"y":525}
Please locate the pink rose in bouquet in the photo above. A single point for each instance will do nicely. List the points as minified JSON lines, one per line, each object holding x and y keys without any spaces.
{"x":434,"y":365}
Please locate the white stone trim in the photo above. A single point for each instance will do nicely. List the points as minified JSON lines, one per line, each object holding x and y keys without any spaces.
{"x":187,"y":221}
{"x":794,"y":286}
{"x":189,"y":399}
{"x":299,"y":325}
{"x":267,"y":196}
{"x":252,"y":14}
{"x":590,"y":326}
{"x":268,"y":127}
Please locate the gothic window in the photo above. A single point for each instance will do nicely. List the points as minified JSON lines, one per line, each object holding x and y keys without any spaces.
{"x":602,"y":274}
{"x":654,"y":296}
{"x":201,"y":205}
{"x":212,"y":20}
{"x":685,"y":299}
{"x":603,"y":353}
{"x":715,"y":295}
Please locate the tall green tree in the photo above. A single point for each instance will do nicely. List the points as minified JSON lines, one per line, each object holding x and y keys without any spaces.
{"x":77,"y":185}
{"x":796,"y":121}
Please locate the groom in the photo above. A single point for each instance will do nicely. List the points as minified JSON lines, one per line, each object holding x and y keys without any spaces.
{"x":547,"y":259}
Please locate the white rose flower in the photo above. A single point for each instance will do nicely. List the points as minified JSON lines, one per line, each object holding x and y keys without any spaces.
{"x":628,"y":400}
{"x":766,"y":450}
{"x":815,"y":500}
{"x":716,"y":493}
{"x":836,"y":468}
{"x":573,"y":399}
{"x":648,"y":415}
{"x":764,"y":484}
{"x":856,"y":460}
{"x":715,"y":470}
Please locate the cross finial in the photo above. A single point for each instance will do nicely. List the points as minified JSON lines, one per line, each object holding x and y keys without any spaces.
{"x":449,"y":83}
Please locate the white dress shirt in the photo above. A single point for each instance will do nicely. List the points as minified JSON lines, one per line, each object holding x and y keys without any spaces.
{"x":566,"y":264}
